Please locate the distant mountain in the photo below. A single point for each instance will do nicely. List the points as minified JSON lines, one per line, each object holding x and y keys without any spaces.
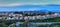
{"x":32,"y":8}
{"x":43,"y":10}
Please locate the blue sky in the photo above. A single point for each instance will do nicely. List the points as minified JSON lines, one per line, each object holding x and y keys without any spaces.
{"x":27,"y":2}
{"x":27,"y":5}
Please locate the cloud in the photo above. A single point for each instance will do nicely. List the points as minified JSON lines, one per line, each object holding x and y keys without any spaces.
{"x":27,"y":2}
{"x":13,"y":4}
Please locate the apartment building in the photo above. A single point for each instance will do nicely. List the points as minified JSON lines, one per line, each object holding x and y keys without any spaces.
{"x":25,"y":16}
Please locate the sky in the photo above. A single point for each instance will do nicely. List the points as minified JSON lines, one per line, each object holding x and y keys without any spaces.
{"x":27,"y":2}
{"x":29,"y":5}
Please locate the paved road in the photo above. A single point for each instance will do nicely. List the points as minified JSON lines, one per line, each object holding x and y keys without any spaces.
{"x":35,"y":24}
